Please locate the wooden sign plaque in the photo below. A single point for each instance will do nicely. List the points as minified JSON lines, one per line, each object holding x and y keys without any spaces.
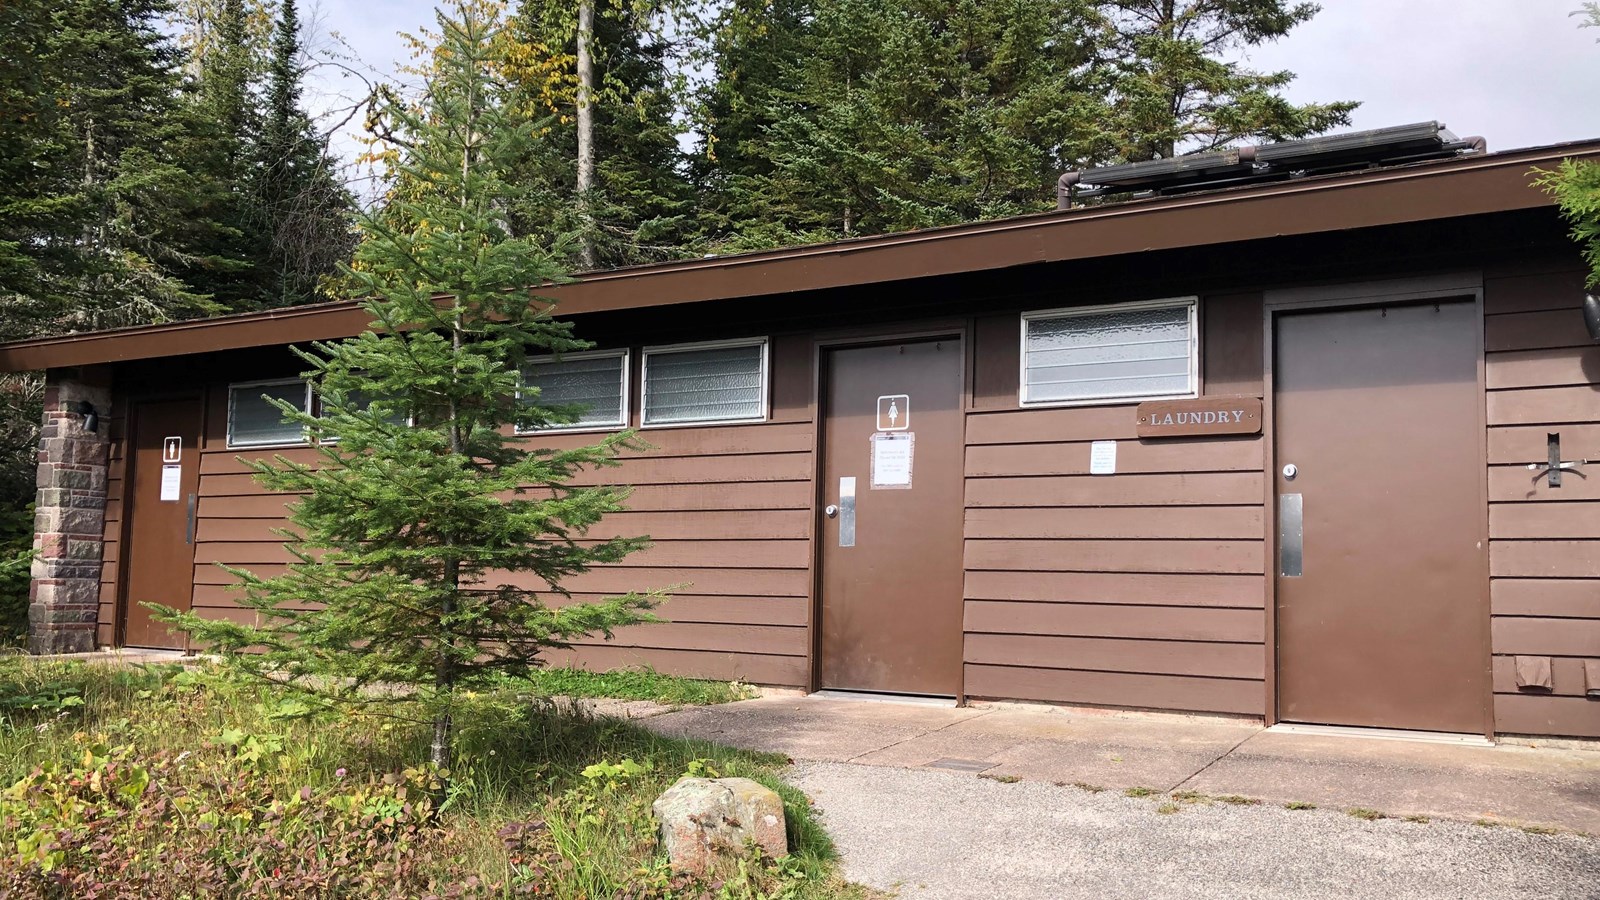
{"x":1201,"y":416}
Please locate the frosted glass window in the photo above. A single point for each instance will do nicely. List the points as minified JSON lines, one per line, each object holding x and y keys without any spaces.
{"x":253,"y":422}
{"x":358,"y":399}
{"x":1102,"y":353}
{"x":596,"y":382}
{"x":709,"y":383}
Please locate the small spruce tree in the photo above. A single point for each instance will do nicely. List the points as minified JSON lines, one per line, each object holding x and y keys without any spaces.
{"x":427,"y":533}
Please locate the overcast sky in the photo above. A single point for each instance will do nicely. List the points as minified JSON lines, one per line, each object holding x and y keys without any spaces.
{"x":1518,"y":72}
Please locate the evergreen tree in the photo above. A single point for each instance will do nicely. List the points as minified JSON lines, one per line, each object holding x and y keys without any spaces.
{"x":307,"y":211}
{"x":847,"y":117}
{"x":100,"y":214}
{"x":638,"y":204}
{"x":427,"y":535}
{"x":223,"y":127}
{"x":1173,"y":91}
{"x":1575,"y":185}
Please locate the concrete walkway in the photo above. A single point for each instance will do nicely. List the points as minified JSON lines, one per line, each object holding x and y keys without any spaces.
{"x":1512,"y":784}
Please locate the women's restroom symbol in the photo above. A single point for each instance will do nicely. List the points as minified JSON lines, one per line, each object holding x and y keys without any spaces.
{"x":894,"y":412}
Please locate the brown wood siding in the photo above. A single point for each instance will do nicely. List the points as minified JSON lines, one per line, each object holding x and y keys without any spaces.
{"x":117,"y":429}
{"x":1140,"y":589}
{"x":1542,"y":371}
{"x":727,"y":508}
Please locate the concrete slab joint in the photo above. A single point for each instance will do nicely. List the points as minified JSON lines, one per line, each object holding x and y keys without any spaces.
{"x":69,"y":515}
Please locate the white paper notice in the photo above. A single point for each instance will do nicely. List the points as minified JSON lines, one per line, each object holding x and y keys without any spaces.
{"x":171,"y":481}
{"x":891,"y":459}
{"x":1103,"y":458}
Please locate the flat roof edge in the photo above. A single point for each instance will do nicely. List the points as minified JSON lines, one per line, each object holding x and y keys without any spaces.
{"x":994,"y":244}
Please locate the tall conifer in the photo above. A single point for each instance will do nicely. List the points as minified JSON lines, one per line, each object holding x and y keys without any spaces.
{"x":428,"y":536}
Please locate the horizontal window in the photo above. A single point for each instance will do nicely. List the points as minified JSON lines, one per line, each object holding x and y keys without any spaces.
{"x":1104,"y":353}
{"x":721,"y":382}
{"x":594,"y":384}
{"x":358,"y":401}
{"x":255,"y":422}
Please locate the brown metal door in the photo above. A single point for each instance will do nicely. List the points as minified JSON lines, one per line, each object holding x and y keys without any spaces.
{"x":1381,"y":610}
{"x":163,"y":473}
{"x":891,"y":592}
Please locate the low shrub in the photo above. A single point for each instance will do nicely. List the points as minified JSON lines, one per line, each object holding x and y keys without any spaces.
{"x":169,"y":783}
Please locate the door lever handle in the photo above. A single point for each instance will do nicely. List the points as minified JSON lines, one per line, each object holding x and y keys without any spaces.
{"x":1555,"y":465}
{"x":1554,"y":469}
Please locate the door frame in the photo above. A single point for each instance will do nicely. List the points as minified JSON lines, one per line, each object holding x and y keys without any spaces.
{"x":1418,"y":289}
{"x":119,"y":612}
{"x":822,"y":343}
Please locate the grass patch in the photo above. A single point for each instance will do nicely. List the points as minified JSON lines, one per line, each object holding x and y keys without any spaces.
{"x":1488,"y":823}
{"x":1140,"y":792}
{"x":1086,"y":786}
{"x":1299,"y":805}
{"x":632,"y":684}
{"x":1364,"y":814}
{"x":1168,"y":808}
{"x":1539,"y":829}
{"x":1236,"y":800}
{"x":191,"y":783}
{"x":1003,"y":779}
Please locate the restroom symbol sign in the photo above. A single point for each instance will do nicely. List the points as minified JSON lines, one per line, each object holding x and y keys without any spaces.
{"x":894,"y":412}
{"x":172,"y":450}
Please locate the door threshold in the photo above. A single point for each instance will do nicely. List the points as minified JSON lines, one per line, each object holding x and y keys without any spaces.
{"x":1383,"y":734}
{"x":885,"y":697}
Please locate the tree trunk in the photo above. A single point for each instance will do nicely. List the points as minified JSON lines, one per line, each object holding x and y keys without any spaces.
{"x":586,"y":130}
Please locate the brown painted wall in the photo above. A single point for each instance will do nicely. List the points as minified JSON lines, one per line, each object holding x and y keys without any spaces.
{"x":1543,"y":375}
{"x":1142,"y":588}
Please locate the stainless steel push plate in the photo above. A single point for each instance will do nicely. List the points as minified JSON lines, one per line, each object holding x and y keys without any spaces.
{"x":847,"y":511}
{"x":1291,"y":535}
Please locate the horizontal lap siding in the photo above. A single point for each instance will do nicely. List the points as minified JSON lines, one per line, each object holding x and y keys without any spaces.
{"x":116,"y":483}
{"x":1142,"y":589}
{"x":1543,"y":375}
{"x":727,"y":510}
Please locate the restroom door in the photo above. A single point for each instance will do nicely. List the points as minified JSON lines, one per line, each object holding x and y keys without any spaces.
{"x":891,"y":580}
{"x":1381,"y":612}
{"x":163,"y":474}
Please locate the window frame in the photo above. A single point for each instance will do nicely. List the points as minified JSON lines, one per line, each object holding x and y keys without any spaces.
{"x":763,"y":342}
{"x":623,"y":406}
{"x":305,"y":439}
{"x":1191,"y":303}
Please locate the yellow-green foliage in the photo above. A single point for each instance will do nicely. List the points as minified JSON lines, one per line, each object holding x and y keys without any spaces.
{"x":165,"y":783}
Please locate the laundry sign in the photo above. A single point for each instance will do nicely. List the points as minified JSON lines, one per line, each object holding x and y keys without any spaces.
{"x":1201,"y":416}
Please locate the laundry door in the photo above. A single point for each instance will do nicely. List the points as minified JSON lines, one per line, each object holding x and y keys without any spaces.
{"x":1382,"y":572}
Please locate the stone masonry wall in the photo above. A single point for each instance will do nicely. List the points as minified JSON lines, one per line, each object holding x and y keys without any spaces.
{"x":69,"y":517}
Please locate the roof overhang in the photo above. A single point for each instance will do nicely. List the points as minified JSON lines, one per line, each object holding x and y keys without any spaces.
{"x":1466,"y":186}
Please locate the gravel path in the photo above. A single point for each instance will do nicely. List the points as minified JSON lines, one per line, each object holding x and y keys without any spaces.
{"x":930,"y":835}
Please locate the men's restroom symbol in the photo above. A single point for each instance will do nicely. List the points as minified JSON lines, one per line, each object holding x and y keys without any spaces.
{"x":894,"y":412}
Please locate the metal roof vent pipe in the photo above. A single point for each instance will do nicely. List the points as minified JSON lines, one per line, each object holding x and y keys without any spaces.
{"x":1476,"y":143}
{"x":1064,"y":189}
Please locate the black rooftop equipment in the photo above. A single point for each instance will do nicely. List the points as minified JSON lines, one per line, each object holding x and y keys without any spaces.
{"x":1280,"y":161}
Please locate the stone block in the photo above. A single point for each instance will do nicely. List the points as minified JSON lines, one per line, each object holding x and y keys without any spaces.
{"x":703,"y":820}
{"x":85,"y":548}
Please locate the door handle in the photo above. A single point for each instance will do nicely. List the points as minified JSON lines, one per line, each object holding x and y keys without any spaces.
{"x":188,"y":531}
{"x":831,"y":511}
{"x":847,"y":511}
{"x":1291,"y":535}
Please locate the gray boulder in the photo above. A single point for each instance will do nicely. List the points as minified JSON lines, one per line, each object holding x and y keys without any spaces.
{"x":704,"y":819}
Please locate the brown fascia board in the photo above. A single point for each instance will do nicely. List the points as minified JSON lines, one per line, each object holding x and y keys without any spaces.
{"x":1465,"y":186}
